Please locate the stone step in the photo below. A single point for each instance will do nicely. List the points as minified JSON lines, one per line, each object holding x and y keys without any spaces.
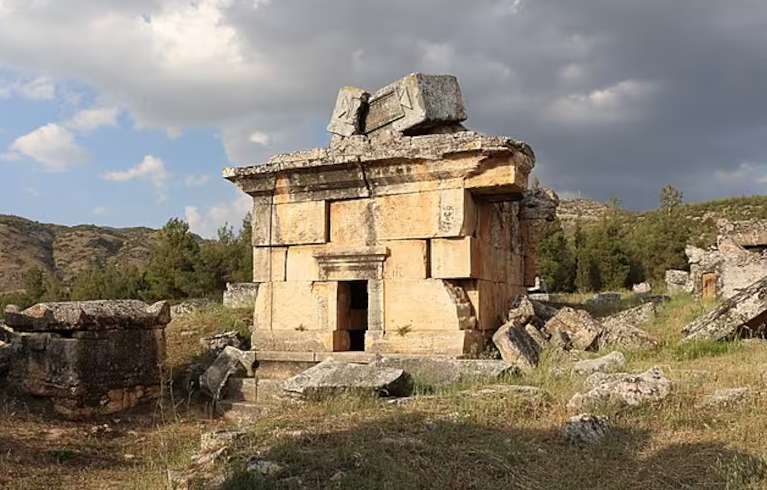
{"x":241,"y":390}
{"x":269,"y":390}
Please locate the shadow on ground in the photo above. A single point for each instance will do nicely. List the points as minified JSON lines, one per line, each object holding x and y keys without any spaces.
{"x":407,"y":451}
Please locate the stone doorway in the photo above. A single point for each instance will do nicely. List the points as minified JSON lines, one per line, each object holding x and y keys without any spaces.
{"x":708,"y":285}
{"x":353,"y":302}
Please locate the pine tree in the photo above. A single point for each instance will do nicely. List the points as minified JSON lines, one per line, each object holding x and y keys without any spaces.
{"x":555,"y":258}
{"x":173,"y":263}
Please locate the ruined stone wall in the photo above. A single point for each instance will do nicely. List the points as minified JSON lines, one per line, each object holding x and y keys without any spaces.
{"x":726,"y":270}
{"x":90,"y":357}
{"x":240,"y":295}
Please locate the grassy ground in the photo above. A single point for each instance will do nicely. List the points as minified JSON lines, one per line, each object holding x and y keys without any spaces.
{"x":483,"y":442}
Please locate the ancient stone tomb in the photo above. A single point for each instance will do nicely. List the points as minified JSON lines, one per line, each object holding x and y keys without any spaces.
{"x":406,"y":235}
{"x":90,"y":357}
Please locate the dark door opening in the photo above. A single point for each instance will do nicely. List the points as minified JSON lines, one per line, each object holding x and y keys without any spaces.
{"x":352,"y":316}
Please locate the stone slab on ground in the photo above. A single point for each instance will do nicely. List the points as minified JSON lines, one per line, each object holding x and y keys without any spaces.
{"x":724,"y":397}
{"x":90,"y":315}
{"x":586,"y":429}
{"x":330,"y":378}
{"x":435,"y":371}
{"x":622,"y":329}
{"x":631,"y":390}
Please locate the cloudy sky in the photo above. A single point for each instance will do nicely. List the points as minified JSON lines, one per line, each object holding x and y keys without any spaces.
{"x":122,"y":112}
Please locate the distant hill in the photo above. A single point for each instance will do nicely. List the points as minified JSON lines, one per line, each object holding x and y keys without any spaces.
{"x":66,"y":250}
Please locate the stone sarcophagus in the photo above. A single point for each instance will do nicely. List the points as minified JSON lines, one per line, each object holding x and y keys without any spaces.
{"x":406,"y":235}
{"x":90,"y":357}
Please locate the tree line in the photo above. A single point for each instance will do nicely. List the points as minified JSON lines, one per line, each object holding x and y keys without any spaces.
{"x":619,"y":250}
{"x":180,"y":266}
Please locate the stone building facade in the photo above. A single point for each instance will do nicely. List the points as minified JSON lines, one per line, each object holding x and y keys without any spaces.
{"x":407,"y":234}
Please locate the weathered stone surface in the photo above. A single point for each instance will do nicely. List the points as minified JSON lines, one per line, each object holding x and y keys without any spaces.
{"x":93,"y":372}
{"x":631,"y":390}
{"x":532,"y":393}
{"x":330,"y":378}
{"x":90,"y":315}
{"x":582,"y":330}
{"x":240,"y":295}
{"x":537,"y":336}
{"x":642,"y":288}
{"x":521,"y":310}
{"x":189,"y":307}
{"x":5,"y":357}
{"x":725,"y":270}
{"x":436,"y":371}
{"x":622,"y":329}
{"x":723,"y":398}
{"x":516,"y":346}
{"x":347,"y":118}
{"x":586,"y":429}
{"x":742,"y":315}
{"x":6,"y":333}
{"x":539,"y":204}
{"x":216,"y":343}
{"x":605,"y":298}
{"x":610,"y":362}
{"x":678,"y":281}
{"x":228,"y":362}
{"x":414,"y":102}
{"x":598,"y":378}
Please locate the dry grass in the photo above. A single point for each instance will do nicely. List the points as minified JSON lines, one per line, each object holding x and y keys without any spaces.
{"x":445,"y":442}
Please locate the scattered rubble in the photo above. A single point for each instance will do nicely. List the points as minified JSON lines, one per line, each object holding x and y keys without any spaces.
{"x":579,"y":326}
{"x":622,"y":329}
{"x":228,"y":362}
{"x":189,"y":307}
{"x":216,"y":343}
{"x":586,"y":429}
{"x":638,"y":389}
{"x":332,"y":377}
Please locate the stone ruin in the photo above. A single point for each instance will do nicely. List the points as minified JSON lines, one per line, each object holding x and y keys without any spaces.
{"x":240,"y":294}
{"x":738,"y":260}
{"x":407,"y":234}
{"x":90,"y":357}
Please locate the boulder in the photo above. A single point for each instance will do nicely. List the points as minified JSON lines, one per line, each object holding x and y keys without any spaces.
{"x":599,"y":378}
{"x":435,"y":371}
{"x":740,"y":316}
{"x":516,"y":346}
{"x":581,"y":328}
{"x":521,"y":310}
{"x":330,"y":378}
{"x":631,"y":390}
{"x":586,"y":429}
{"x":722,"y":398}
{"x":610,"y":362}
{"x":622,"y":329}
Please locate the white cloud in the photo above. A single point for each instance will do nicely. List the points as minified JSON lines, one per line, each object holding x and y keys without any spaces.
{"x":206,"y":223}
{"x":99,"y":210}
{"x":192,"y":181}
{"x":32,"y":191}
{"x":51,"y":145}
{"x":259,"y":137}
{"x":151,"y":168}
{"x":90,"y":119}
{"x":41,"y":88}
{"x":617,"y":103}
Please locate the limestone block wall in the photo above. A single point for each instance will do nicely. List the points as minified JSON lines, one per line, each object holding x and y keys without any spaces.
{"x":439,"y":267}
{"x":240,"y":295}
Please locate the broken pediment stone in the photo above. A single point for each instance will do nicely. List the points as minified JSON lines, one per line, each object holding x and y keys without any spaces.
{"x":351,"y":105}
{"x":416,"y":102}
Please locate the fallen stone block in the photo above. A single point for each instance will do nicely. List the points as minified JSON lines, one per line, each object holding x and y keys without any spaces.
{"x":228,"y":362}
{"x":642,"y":288}
{"x":331,"y":378}
{"x":622,"y":329}
{"x":632,"y":390}
{"x":610,"y":362}
{"x":743,"y":315}
{"x":537,"y":336}
{"x":586,"y":429}
{"x":677,"y":281}
{"x":521,"y":310}
{"x":516,"y":346}
{"x":435,"y":371}
{"x":723,"y":398}
{"x":581,"y":328}
{"x":89,"y":315}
